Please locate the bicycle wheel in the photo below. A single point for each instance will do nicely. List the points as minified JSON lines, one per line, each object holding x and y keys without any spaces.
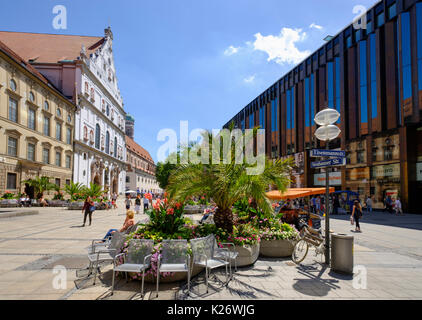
{"x":300,"y":251}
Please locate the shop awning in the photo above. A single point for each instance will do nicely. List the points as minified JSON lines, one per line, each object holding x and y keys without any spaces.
{"x":294,"y":193}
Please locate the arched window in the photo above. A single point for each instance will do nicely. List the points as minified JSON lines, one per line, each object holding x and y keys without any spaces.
{"x":107,"y":143}
{"x":115,"y":147}
{"x":12,"y":85}
{"x":97,"y":136}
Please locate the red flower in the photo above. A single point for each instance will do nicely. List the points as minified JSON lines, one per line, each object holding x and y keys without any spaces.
{"x":148,"y":196}
{"x":178,"y":205}
{"x":170,"y":211}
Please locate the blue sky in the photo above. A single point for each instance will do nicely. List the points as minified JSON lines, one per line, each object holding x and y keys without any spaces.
{"x":195,"y":60}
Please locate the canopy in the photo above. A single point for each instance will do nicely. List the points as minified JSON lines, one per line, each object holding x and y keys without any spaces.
{"x":293,"y":193}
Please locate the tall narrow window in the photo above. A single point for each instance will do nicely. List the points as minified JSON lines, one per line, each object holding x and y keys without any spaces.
{"x":58,"y":131}
{"x":288,"y":109}
{"x":406,"y":58}
{"x":31,"y":118}
{"x":68,"y":161}
{"x":46,"y":128}
{"x":115,"y":147}
{"x":13,"y":110}
{"x":68,"y":136}
{"x":11,"y":181}
{"x":373,"y":66}
{"x":363,"y":83}
{"x":330,"y":82}
{"x":251,"y":121}
{"x":419,"y":42}
{"x":307,"y":104}
{"x":58,"y":159}
{"x":312,"y":99}
{"x":12,"y":147}
{"x":46,"y":155}
{"x":107,"y":143}
{"x":97,"y":136}
{"x":274,"y":115}
{"x":31,"y":152}
{"x":337,"y":80}
{"x":293,"y":108}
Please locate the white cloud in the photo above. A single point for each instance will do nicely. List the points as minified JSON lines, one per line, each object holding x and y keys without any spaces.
{"x":315,"y":26}
{"x":230,"y":51}
{"x":282,"y":48}
{"x":249,"y":79}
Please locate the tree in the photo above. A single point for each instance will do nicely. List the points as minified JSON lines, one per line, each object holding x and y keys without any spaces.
{"x":40,"y":185}
{"x":228,"y":183}
{"x":162,"y":173}
{"x":74,"y":190}
{"x":93,"y":191}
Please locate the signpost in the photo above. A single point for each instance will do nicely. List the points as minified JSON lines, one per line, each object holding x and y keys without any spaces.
{"x":327,"y":163}
{"x":328,"y":153}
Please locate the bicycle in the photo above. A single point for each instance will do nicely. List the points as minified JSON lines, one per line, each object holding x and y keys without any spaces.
{"x":308,"y":236}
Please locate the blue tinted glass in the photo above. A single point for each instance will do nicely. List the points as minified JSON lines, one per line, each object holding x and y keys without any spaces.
{"x":369,"y":28}
{"x":312,"y":99}
{"x":293,"y":108}
{"x":307,"y":104}
{"x":275,"y":115}
{"x":251,"y":121}
{"x":373,"y":63}
{"x":420,"y":74}
{"x":392,"y":12}
{"x":406,"y":55}
{"x":363,"y":83}
{"x":357,"y":35}
{"x":337,"y":61}
{"x":243,"y":124}
{"x":380,"y":19}
{"x":288,"y":103}
{"x":419,"y":42}
{"x":330,"y":76}
{"x":349,"y":41}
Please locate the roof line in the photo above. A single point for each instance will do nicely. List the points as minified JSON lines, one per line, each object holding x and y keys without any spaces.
{"x":53,"y":34}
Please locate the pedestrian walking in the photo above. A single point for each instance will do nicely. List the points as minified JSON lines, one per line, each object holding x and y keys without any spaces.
{"x":356,"y":215}
{"x":88,"y":210}
{"x":389,"y":204}
{"x":146,"y":203}
{"x":114,"y":200}
{"x":368,"y":204}
{"x":138,"y":204}
{"x":397,"y":206}
{"x":128,"y":202}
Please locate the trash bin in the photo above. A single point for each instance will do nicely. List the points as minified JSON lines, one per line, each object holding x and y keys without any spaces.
{"x":342,"y":253}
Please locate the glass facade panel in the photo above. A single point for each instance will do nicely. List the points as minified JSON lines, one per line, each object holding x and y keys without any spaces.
{"x":274,"y":115}
{"x":307,"y":104}
{"x":312,"y":99}
{"x":406,"y":55}
{"x":330,"y":83}
{"x":293,"y":108}
{"x":288,"y":110}
{"x":337,"y":76}
{"x":363,"y":83}
{"x":419,"y":42}
{"x":373,"y":66}
{"x":380,"y":19}
{"x":392,"y":11}
{"x":251,"y":121}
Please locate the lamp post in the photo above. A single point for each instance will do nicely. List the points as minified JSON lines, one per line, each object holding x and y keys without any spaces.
{"x":327,"y":132}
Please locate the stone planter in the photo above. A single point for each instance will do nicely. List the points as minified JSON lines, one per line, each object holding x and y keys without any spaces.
{"x":248,"y":254}
{"x":77,"y":205}
{"x":176,"y":277}
{"x":9,"y":203}
{"x":276,"y":248}
{"x":57,"y":203}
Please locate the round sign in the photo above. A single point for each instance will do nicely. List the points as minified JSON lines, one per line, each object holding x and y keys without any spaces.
{"x":327,"y":133}
{"x":326,"y":117}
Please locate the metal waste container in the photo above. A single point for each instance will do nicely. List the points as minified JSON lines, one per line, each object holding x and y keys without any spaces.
{"x":342,"y":253}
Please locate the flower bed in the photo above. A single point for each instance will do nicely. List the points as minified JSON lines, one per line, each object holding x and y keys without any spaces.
{"x":277,"y":239}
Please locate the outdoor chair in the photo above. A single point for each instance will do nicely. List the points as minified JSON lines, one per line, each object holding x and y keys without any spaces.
{"x":205,"y":254}
{"x":138,"y":259}
{"x":105,"y":254}
{"x":174,"y":258}
{"x":227,"y":253}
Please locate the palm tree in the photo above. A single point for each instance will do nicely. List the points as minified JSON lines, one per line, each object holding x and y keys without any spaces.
{"x":93,"y":191}
{"x":73,"y":189}
{"x":228,"y":183}
{"x":40,"y":185}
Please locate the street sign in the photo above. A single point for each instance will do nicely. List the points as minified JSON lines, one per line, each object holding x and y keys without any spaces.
{"x":327,"y":163}
{"x":328,"y":153}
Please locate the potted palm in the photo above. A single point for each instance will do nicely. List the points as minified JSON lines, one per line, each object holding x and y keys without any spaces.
{"x":227,"y":182}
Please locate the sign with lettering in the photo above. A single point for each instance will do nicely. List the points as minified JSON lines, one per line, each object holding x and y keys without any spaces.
{"x":334,"y":179}
{"x":328,"y":153}
{"x":327,"y":163}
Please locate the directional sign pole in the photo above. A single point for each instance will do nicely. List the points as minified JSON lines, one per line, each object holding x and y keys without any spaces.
{"x":327,"y":218}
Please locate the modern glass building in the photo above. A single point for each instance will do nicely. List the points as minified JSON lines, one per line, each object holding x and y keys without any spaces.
{"x":371,"y":72}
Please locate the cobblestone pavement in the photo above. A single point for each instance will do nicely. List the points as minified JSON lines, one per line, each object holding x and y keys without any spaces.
{"x":31,"y":246}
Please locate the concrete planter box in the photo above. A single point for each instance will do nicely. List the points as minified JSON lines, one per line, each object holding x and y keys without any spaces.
{"x":176,"y":277}
{"x":276,"y":248}
{"x":57,"y":203}
{"x":9,"y":203}
{"x":77,"y":205}
{"x":248,"y":254}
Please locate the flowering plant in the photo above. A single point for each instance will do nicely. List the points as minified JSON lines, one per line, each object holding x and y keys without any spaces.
{"x":8,"y":195}
{"x":276,"y":230}
{"x":243,"y":234}
{"x":166,"y":216}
